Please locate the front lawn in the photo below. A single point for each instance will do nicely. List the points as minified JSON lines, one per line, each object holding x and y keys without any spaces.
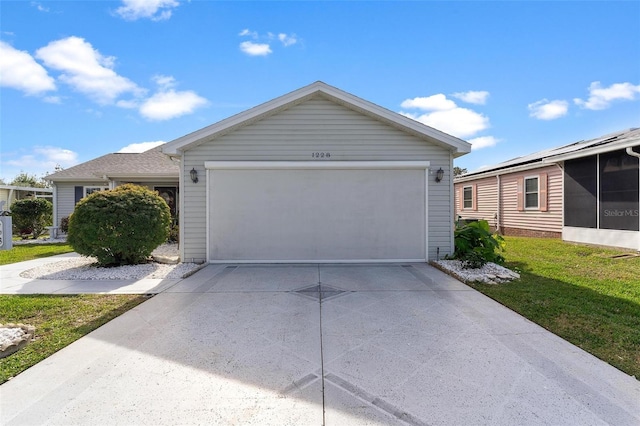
{"x":22,"y":252}
{"x":583,"y":294}
{"x":59,"y":321}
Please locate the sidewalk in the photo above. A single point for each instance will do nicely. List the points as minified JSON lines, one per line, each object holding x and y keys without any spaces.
{"x":12,"y":283}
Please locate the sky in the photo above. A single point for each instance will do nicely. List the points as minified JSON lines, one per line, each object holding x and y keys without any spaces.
{"x":80,"y":79}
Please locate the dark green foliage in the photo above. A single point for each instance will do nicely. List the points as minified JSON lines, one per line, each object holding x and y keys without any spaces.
{"x":119,"y":227}
{"x":64,"y":225}
{"x":476,"y":245}
{"x":31,"y":216}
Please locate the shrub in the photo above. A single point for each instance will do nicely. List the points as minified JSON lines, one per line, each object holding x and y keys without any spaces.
{"x":121,"y":226}
{"x":31,"y":216}
{"x":476,"y":245}
{"x":64,"y":225}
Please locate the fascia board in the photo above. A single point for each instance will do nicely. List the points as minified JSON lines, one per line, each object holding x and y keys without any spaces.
{"x":613,"y":146}
{"x":458,"y":146}
{"x":501,"y":172}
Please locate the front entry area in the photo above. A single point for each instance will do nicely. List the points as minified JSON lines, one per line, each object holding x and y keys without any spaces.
{"x":329,"y":211}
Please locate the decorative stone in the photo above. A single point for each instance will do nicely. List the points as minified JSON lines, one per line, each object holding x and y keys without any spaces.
{"x":14,"y":337}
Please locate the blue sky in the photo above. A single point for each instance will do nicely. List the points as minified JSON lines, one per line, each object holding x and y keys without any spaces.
{"x":80,"y":79}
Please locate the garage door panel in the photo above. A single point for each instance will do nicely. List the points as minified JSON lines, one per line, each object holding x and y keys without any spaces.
{"x":315,"y":215}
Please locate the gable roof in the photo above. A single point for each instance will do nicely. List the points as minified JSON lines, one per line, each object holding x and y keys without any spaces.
{"x":610,"y":142}
{"x":148,"y":164}
{"x":317,"y":89}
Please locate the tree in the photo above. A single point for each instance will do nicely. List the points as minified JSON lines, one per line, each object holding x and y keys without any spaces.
{"x":24,"y":179}
{"x":31,"y":216}
{"x":119,"y":227}
{"x":457,"y":171}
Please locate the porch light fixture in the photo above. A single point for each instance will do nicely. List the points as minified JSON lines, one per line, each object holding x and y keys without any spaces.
{"x":439,"y":174}
{"x":194,"y":175}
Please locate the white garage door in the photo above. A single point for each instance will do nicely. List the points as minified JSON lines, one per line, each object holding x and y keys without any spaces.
{"x":316,"y":211}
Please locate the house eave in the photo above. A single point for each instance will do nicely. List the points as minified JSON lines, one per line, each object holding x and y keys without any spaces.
{"x":457,"y":146}
{"x":500,"y":172}
{"x":614,"y":146}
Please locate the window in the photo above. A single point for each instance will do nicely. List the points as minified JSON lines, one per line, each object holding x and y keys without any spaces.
{"x":531,"y":193}
{"x":88,"y":190}
{"x":467,"y":197}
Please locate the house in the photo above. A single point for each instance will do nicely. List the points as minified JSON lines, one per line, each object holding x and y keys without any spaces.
{"x":316,"y":175}
{"x":11,"y":193}
{"x":586,"y":192}
{"x":151,"y":168}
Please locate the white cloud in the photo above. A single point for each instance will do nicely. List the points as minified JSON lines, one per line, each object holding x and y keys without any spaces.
{"x":459,"y":122}
{"x":255,"y":49}
{"x":548,"y":110}
{"x":39,"y":6}
{"x":140,"y":147}
{"x":437,"y":102}
{"x":472,"y":97}
{"x":164,"y":81}
{"x":287,"y":40}
{"x":483,"y":142}
{"x":44,"y":159}
{"x":602,"y":97}
{"x":52,"y":99}
{"x":156,"y":10}
{"x":86,"y":70}
{"x":168,"y":104}
{"x":247,"y":33}
{"x":20,"y":71}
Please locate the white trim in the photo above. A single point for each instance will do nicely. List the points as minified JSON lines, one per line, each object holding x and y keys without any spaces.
{"x":463,"y":206}
{"x":177,"y":146}
{"x":426,"y":215}
{"x":598,"y":149}
{"x":99,"y":187}
{"x":181,"y":204}
{"x":604,"y":237}
{"x":307,"y":165}
{"x":207,"y":216}
{"x":501,"y":172}
{"x":524,"y":192}
{"x":353,"y":261}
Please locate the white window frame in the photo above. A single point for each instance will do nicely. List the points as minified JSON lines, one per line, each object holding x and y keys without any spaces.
{"x":99,"y":188}
{"x":537,"y":192}
{"x":464,"y":206}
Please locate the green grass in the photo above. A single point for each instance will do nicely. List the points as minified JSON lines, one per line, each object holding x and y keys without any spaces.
{"x":24,"y":252}
{"x":59,"y":320}
{"x":578,"y":292}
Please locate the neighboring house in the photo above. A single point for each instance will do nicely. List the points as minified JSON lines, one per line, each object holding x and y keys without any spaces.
{"x":316,"y":175}
{"x":11,"y":193}
{"x":585,"y":192}
{"x":151,"y":168}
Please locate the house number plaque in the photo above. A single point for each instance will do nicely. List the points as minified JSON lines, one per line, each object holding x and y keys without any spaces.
{"x":320,"y":155}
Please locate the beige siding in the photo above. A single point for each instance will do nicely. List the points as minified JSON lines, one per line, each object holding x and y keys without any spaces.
{"x":317,"y":125}
{"x":549,"y":221}
{"x":509,"y":215}
{"x":485,"y":200}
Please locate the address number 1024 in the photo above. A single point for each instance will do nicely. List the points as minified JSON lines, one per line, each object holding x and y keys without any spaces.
{"x":320,"y":155}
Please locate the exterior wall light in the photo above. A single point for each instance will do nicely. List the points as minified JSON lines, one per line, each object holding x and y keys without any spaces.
{"x":194,"y":175}
{"x":439,"y":174}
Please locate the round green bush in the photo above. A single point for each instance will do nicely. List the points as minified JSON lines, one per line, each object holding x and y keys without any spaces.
{"x":31,"y":216}
{"x":121,"y":226}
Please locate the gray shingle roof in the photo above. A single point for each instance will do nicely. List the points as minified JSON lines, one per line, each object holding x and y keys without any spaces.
{"x":151,"y":163}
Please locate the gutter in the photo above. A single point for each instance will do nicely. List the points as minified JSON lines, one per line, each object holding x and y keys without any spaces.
{"x":631,"y":152}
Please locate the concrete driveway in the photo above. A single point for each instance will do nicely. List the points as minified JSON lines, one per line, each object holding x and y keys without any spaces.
{"x":321,"y":345}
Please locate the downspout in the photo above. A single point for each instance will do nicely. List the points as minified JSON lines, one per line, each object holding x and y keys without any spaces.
{"x":632,"y":153}
{"x":498,"y":215}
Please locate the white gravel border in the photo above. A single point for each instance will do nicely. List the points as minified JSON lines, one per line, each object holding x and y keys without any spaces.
{"x":490,"y":273}
{"x":86,"y":268}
